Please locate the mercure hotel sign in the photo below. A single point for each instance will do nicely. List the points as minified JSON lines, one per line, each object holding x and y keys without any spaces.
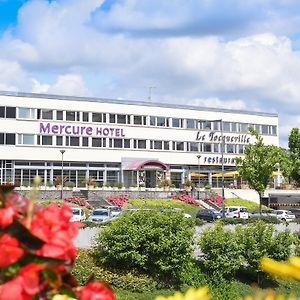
{"x":63,"y":129}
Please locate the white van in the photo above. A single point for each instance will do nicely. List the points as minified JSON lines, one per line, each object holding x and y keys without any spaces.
{"x":78,"y":214}
{"x":236,"y":212}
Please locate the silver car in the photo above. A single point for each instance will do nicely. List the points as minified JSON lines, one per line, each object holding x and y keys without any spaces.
{"x":100,"y":215}
{"x":285,"y":215}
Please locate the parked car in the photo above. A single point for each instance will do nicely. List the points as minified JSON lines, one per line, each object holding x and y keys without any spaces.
{"x":114,"y":210}
{"x":285,"y":215}
{"x":296,"y":212}
{"x":100,"y":215}
{"x":208,"y":215}
{"x":264,"y":212}
{"x":236,"y":212}
{"x":78,"y":214}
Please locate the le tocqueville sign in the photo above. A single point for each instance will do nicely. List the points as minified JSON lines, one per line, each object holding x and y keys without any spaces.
{"x":66,"y":129}
{"x":216,"y":137}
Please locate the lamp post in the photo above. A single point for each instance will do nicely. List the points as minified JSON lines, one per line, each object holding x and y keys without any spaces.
{"x":62,"y":173}
{"x":199,"y":156}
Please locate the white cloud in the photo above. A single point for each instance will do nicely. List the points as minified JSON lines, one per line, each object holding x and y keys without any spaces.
{"x":68,"y":84}
{"x":257,"y":71}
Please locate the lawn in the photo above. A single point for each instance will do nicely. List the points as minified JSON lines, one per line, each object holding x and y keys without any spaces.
{"x":163,"y":203}
{"x":250,"y":205}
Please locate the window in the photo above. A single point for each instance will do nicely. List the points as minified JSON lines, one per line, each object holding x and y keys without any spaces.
{"x":216,"y":125}
{"x":112,"y":118}
{"x":152,"y":121}
{"x":85,"y":117}
{"x":160,"y":121}
{"x":47,"y":114}
{"x":216,"y":148}
{"x":1,"y":138}
{"x":118,"y":143}
{"x":59,"y":115}
{"x":2,"y":111}
{"x":207,"y":147}
{"x":26,"y":139}
{"x":241,"y":149}
{"x":234,"y":127}
{"x":139,"y":120}
{"x":85,"y":141}
{"x":59,"y":140}
{"x":10,"y":139}
{"x":70,"y":116}
{"x":191,"y":124}
{"x":74,"y":141}
{"x":158,"y":145}
{"x":179,"y":146}
{"x":10,"y":112}
{"x":177,"y":123}
{"x":26,"y":113}
{"x":98,"y":142}
{"x":257,"y":128}
{"x":126,"y":143}
{"x":193,"y":147}
{"x":46,"y":140}
{"x":142,"y":144}
{"x":139,"y":144}
{"x":274,"y":130}
{"x":226,"y":126}
{"x":204,"y":125}
{"x":122,"y":119}
{"x":264,"y":129}
{"x":166,"y":145}
{"x":244,"y":128}
{"x":230,"y":148}
{"x":98,"y":117}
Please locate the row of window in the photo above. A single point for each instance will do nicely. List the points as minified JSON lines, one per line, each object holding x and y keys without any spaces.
{"x":93,"y":117}
{"x":75,"y":141}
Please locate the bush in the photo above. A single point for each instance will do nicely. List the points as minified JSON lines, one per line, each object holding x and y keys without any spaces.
{"x":87,"y":264}
{"x":259,"y":239}
{"x":157,"y":243}
{"x":186,"y":198}
{"x":78,"y":201}
{"x":222,"y":251}
{"x":266,"y":219}
{"x":117,"y":200}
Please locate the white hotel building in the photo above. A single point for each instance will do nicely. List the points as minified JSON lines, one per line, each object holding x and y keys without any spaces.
{"x":120,"y":141}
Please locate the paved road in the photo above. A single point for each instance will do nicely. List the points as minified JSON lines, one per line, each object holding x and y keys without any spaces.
{"x":86,"y":237}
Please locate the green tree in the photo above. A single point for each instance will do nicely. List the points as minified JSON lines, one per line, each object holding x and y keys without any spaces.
{"x":294,"y":146}
{"x":258,"y":164}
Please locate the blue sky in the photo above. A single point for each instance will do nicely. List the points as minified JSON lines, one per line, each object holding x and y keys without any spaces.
{"x":230,"y":53}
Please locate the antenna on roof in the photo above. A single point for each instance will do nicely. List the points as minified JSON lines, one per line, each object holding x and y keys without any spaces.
{"x":150,"y":92}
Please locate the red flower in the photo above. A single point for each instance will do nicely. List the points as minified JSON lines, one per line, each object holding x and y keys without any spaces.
{"x":24,"y":286}
{"x":9,"y":250}
{"x":96,"y":291}
{"x":6,"y":216}
{"x":52,"y":225}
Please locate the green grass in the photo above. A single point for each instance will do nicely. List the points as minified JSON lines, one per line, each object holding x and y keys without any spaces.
{"x":127,"y":295}
{"x":164,"y":203}
{"x":251,"y":206}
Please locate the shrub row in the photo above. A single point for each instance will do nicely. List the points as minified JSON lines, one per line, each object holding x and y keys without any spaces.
{"x":227,"y":251}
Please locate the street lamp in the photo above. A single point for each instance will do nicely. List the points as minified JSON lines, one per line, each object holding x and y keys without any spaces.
{"x":199,"y":156}
{"x":62,"y":173}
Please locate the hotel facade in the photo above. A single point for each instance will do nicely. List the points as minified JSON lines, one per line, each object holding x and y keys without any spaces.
{"x":116,"y":141}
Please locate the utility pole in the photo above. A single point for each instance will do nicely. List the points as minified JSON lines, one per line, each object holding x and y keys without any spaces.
{"x":150,"y":92}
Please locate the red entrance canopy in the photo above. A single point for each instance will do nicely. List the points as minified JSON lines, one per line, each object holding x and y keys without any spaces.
{"x":140,"y":164}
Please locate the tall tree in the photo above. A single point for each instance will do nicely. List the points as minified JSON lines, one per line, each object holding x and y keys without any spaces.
{"x":258,"y":164}
{"x":294,"y":145}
